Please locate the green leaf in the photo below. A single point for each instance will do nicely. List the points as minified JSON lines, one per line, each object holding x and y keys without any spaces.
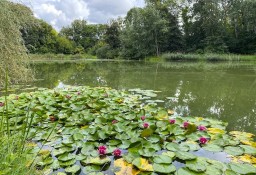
{"x":164,"y":168}
{"x":146,"y":132}
{"x":74,"y":169}
{"x":78,"y":136}
{"x":142,"y":164}
{"x":91,"y":168}
{"x":162,"y":115}
{"x":234,"y":151}
{"x":248,"y":149}
{"x":185,"y":155}
{"x":213,"y":148}
{"x":175,"y":147}
{"x":186,"y":171}
{"x":66,"y":157}
{"x":162,"y":159}
{"x":242,"y":168}
{"x":196,"y":166}
{"x":97,"y":160}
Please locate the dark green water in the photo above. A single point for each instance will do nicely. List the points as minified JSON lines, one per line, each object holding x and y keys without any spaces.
{"x":225,"y":91}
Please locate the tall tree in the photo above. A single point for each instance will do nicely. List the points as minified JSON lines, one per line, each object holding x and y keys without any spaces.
{"x":12,"y":51}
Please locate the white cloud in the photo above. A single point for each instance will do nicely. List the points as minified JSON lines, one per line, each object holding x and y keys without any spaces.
{"x":61,"y":13}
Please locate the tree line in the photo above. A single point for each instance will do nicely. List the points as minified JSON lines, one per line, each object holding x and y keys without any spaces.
{"x":184,"y":26}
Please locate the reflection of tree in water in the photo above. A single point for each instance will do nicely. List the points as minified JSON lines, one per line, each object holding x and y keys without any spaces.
{"x":226,"y":93}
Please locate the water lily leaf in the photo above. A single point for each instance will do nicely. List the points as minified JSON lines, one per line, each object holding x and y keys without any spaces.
{"x":66,"y":157}
{"x":186,"y":171}
{"x":215,"y":131}
{"x":73,"y":169}
{"x":91,"y":168}
{"x":146,"y":132}
{"x":97,"y":160}
{"x":164,"y":168}
{"x":175,"y":147}
{"x":124,"y":168}
{"x":241,"y":135}
{"x":248,"y":149}
{"x":211,"y":170}
{"x":169,"y":153}
{"x":114,"y":142}
{"x":193,"y":146}
{"x":142,"y":164}
{"x":147,"y":152}
{"x":235,"y":151}
{"x":67,"y":163}
{"x":242,"y":168}
{"x":230,"y":172}
{"x":162,"y":159}
{"x":162,"y":115}
{"x":191,"y":129}
{"x":185,"y":155}
{"x":55,"y":165}
{"x":245,"y":158}
{"x":78,"y":136}
{"x":196,"y":166}
{"x":61,"y":173}
{"x":213,"y":148}
{"x":251,"y":143}
{"x":47,"y":161}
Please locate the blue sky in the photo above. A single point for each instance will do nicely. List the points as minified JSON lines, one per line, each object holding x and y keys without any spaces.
{"x":61,"y":13}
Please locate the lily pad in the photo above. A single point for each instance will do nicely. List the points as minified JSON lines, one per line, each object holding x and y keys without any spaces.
{"x":185,"y":155}
{"x":164,"y":168}
{"x":73,"y":169}
{"x":242,"y":168}
{"x":142,"y":164}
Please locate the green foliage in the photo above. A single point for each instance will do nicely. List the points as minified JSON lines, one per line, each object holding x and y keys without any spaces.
{"x":13,"y":54}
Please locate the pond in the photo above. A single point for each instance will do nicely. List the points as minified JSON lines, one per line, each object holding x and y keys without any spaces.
{"x":225,"y":91}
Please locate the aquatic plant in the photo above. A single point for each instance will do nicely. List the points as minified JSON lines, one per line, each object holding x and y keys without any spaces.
{"x":83,"y":138}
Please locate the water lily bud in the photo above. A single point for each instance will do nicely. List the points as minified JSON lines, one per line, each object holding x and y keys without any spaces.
{"x":102,"y":150}
{"x":201,"y":128}
{"x":52,"y":118}
{"x":1,"y":104}
{"x":203,"y":140}
{"x":145,"y":125}
{"x":68,"y":96}
{"x":185,"y":124}
{"x":143,"y":118}
{"x":114,"y":121}
{"x":117,"y":152}
{"x":78,"y":93}
{"x":172,"y":121}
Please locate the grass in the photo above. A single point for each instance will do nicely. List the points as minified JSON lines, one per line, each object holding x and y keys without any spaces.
{"x":207,"y":57}
{"x":16,"y":156}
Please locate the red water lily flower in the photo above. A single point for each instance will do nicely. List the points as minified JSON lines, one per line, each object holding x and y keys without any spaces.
{"x":203,"y":140}
{"x":117,"y":152}
{"x":145,"y":125}
{"x":52,"y":118}
{"x":185,"y":124}
{"x":1,"y":104}
{"x":143,"y":118}
{"x":114,"y":121}
{"x":201,"y":128}
{"x":172,"y":121}
{"x":102,"y":150}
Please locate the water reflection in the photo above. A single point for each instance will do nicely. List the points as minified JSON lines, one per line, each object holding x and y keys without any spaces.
{"x":224,"y":91}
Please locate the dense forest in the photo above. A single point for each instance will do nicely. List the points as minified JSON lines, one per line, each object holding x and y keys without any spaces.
{"x":162,"y":26}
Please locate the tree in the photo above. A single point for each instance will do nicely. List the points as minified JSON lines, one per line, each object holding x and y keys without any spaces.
{"x":13,"y":54}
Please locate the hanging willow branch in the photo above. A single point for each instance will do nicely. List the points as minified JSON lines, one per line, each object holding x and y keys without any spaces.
{"x":13,"y":53}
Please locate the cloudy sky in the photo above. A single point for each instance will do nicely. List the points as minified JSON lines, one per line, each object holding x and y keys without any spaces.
{"x":61,"y":13}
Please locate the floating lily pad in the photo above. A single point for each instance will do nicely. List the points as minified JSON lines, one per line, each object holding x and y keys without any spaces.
{"x":142,"y":164}
{"x":164,"y":168}
{"x":242,"y":168}
{"x":235,"y":151}
{"x":185,"y":155}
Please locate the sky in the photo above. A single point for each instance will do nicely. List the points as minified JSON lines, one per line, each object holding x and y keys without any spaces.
{"x":61,"y":13}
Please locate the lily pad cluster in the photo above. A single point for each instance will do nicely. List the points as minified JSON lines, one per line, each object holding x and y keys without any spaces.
{"x":84,"y":130}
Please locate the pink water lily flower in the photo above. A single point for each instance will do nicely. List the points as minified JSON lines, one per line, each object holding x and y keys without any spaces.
{"x":143,"y":118}
{"x":172,"y":121}
{"x":68,"y":96}
{"x":203,"y":140}
{"x":185,"y":124}
{"x":114,"y":121}
{"x":102,"y":150}
{"x":117,"y":152}
{"x":78,"y":93}
{"x":145,"y":125}
{"x":201,"y":128}
{"x":1,"y":104}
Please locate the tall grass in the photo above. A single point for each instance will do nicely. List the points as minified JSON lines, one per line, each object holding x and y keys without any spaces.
{"x":15,"y":155}
{"x":207,"y":57}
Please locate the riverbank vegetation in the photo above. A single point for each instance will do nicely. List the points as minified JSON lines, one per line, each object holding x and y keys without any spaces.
{"x":187,"y":28}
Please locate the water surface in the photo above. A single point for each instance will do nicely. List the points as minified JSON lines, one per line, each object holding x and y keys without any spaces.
{"x":225,"y":91}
